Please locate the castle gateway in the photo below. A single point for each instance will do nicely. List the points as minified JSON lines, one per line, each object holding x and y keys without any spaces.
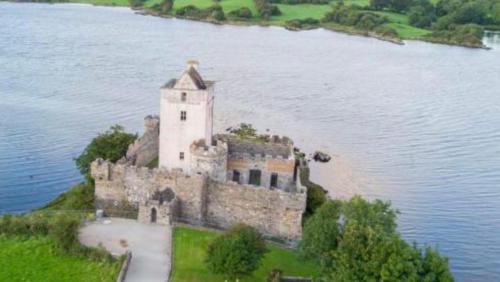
{"x":203,"y":179}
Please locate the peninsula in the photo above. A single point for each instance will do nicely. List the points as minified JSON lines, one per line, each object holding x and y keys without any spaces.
{"x":454,"y":22}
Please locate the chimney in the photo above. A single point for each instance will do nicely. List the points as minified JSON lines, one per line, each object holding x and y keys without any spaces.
{"x":193,"y":63}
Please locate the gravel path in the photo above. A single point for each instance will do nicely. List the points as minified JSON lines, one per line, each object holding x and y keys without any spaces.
{"x":150,"y":245}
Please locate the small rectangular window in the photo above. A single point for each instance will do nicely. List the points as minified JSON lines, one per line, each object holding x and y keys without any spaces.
{"x":274,"y":180}
{"x":183,"y":96}
{"x":181,"y":156}
{"x":183,"y":115}
{"x":236,"y":176}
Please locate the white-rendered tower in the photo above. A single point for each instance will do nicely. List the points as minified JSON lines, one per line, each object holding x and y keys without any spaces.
{"x":186,"y":115}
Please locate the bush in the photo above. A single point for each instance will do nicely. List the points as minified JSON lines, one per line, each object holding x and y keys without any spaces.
{"x":64,"y":229}
{"x":316,"y":195}
{"x":214,"y":12}
{"x":236,"y":253}
{"x":266,"y":10}
{"x":241,"y":13}
{"x":420,"y":17}
{"x":468,"y":35}
{"x":308,"y":23}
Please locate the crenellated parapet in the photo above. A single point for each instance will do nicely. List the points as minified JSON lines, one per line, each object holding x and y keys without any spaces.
{"x":210,"y":160}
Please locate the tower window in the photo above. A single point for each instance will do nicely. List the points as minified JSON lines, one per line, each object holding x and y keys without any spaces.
{"x":181,"y":156}
{"x":236,"y":176}
{"x":274,"y":180}
{"x":183,"y":96}
{"x":183,"y":115}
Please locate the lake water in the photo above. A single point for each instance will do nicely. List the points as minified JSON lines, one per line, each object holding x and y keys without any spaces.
{"x":417,"y":124}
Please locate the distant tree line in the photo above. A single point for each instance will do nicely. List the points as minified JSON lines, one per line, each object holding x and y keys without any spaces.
{"x":360,"y":19}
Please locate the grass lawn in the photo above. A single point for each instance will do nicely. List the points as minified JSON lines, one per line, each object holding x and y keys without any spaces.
{"x":189,"y":252}
{"x":401,"y":24}
{"x":230,"y":5}
{"x":302,"y":11}
{"x":202,"y":4}
{"x":36,"y":259}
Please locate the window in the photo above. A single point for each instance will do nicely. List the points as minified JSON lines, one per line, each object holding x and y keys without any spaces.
{"x":183,"y":115}
{"x":236,"y":176}
{"x":183,"y":96}
{"x":274,"y":180}
{"x":181,"y":156}
{"x":254,"y":177}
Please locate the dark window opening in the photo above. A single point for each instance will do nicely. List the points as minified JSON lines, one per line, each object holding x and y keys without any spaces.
{"x":183,"y":115}
{"x":236,"y":176}
{"x":274,"y":180}
{"x":181,"y":156}
{"x":254,"y":177}
{"x":183,"y":96}
{"x":153,"y":215}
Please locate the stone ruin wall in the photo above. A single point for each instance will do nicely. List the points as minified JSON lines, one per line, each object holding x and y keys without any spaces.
{"x":274,"y":213}
{"x":117,"y":185}
{"x":209,"y":160}
{"x":146,"y":148}
{"x":201,"y":201}
{"x":267,"y":165}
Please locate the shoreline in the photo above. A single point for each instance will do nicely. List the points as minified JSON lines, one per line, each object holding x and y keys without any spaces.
{"x":334,"y":28}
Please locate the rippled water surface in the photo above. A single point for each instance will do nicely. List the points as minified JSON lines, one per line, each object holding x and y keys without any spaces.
{"x":417,"y":124}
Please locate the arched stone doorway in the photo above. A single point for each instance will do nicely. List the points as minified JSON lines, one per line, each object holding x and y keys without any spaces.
{"x":153,"y":215}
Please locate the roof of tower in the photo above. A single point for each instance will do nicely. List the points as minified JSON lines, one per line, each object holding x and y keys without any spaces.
{"x":190,"y":79}
{"x":196,"y":78}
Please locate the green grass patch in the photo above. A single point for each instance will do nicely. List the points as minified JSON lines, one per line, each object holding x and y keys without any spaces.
{"x":79,"y":197}
{"x":401,"y":24}
{"x":362,"y":3}
{"x":302,"y":11}
{"x":189,"y":251}
{"x":408,"y":31}
{"x":202,"y":4}
{"x":231,"y":5}
{"x":37,"y":259}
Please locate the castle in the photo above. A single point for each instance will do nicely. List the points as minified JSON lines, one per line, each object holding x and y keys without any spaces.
{"x":202,"y":178}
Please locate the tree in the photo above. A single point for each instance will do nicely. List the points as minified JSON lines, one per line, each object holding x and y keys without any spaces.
{"x":321,"y":231}
{"x":236,"y":253}
{"x":356,"y":240}
{"x":110,"y":145}
{"x":420,"y":17}
{"x":400,"y":5}
{"x":379,"y":4}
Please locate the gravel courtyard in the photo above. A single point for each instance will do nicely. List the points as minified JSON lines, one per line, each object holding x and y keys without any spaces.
{"x":150,"y":245}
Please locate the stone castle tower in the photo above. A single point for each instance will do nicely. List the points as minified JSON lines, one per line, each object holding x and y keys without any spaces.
{"x":186,"y":114}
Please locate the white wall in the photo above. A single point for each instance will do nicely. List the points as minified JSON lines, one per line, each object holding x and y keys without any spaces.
{"x":175,"y":135}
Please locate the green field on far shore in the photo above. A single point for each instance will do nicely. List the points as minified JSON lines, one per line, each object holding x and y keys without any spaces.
{"x":189,"y":247}
{"x":37,"y":259}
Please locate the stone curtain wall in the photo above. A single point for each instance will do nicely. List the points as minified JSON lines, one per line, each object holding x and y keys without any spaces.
{"x":146,"y":148}
{"x":272,"y":212}
{"x":123,"y":184}
{"x":201,"y":201}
